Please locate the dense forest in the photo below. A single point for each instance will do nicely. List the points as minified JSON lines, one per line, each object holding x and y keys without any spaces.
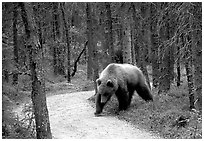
{"x":45,"y":40}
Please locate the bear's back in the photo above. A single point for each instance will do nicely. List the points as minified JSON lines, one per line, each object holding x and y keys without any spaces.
{"x":122,"y":71}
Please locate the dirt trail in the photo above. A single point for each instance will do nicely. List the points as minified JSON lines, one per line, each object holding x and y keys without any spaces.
{"x":72,"y":116}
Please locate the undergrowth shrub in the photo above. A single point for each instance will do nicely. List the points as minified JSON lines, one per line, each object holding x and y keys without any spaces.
{"x":15,"y":126}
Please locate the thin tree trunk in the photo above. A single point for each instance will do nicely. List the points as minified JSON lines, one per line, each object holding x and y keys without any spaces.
{"x":198,"y":70}
{"x":96,"y":68}
{"x":58,"y":52}
{"x":165,"y":79}
{"x":68,"y":44}
{"x":155,"y":45}
{"x":134,"y":35}
{"x":90,"y":37}
{"x":178,"y":68}
{"x":119,"y":52}
{"x":77,"y":60}
{"x":37,"y":74}
{"x":56,"y":20}
{"x":90,"y":47}
{"x":109,"y":33}
{"x":104,"y":41}
{"x":15,"y":44}
{"x":126,"y":38}
{"x":126,"y":44}
{"x":189,"y":74}
{"x":197,"y":53}
{"x":54,"y":39}
{"x":189,"y":71}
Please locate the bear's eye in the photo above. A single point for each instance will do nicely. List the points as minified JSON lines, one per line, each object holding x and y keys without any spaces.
{"x":98,"y":81}
{"x":110,"y":83}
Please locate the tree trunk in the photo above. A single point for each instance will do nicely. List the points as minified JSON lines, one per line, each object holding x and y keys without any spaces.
{"x":118,"y":54}
{"x":132,"y":47}
{"x":37,"y":73}
{"x":155,"y":45}
{"x":178,"y":68}
{"x":109,"y":34}
{"x":126,"y":38}
{"x":126,"y":44}
{"x":197,"y":54}
{"x":189,"y":71}
{"x":138,"y":41}
{"x":54,"y":39}
{"x":135,"y":33}
{"x":90,"y":45}
{"x":77,"y":60}
{"x":189,"y":74}
{"x":15,"y":44}
{"x":198,"y":69}
{"x":68,"y":44}
{"x":96,"y":68}
{"x":165,"y":51}
{"x":58,"y":50}
{"x":56,"y":20}
{"x":102,"y":24}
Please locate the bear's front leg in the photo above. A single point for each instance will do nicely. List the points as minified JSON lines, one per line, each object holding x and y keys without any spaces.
{"x":99,"y":105}
{"x":123,"y":98}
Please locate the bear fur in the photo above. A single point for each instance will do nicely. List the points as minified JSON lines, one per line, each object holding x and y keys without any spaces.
{"x":121,"y":80}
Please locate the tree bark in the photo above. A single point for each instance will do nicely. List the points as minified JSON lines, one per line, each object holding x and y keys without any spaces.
{"x":189,"y":74}
{"x":135,"y":32}
{"x":54,"y":39}
{"x":58,"y":50}
{"x":155,"y":45}
{"x":167,"y":63}
{"x":118,"y":53}
{"x":37,"y":73}
{"x":197,"y":54}
{"x":189,"y":71}
{"x":90,"y":45}
{"x":77,"y":60}
{"x":178,"y":68}
{"x":109,"y":34}
{"x":68,"y":44}
{"x":93,"y":52}
{"x":15,"y":44}
{"x":126,"y":37}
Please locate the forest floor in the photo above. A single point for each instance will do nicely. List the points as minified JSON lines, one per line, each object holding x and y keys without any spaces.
{"x":71,"y":108}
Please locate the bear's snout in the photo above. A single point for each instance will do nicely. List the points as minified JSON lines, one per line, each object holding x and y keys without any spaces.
{"x":103,"y":99}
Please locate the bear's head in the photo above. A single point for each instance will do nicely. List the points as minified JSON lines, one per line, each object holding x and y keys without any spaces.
{"x":106,"y":88}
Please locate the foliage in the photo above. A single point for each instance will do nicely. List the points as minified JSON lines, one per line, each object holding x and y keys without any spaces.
{"x":15,"y":126}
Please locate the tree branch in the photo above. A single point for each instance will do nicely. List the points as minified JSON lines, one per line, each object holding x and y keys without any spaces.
{"x":77,"y":60}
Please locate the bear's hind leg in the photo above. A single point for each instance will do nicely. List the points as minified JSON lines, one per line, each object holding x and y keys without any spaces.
{"x":131,"y":92}
{"x":144,"y":92}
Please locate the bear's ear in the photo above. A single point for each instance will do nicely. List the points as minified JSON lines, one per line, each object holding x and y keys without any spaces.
{"x":110,"y":83}
{"x":98,"y":81}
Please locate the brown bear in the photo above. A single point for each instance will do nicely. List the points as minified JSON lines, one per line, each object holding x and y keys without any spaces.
{"x":121,"y":80}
